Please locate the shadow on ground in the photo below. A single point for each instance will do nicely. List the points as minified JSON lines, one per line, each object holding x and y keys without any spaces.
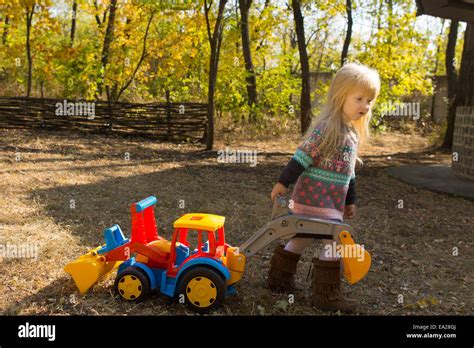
{"x":407,"y":257}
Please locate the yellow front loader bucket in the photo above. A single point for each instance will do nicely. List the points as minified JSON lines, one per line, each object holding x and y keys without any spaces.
{"x":356,"y":259}
{"x":88,"y":269}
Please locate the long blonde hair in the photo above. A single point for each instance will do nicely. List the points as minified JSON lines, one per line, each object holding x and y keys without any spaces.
{"x":350,"y":77}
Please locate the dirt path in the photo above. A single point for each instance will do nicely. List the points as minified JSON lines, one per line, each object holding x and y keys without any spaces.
{"x":59,"y":191}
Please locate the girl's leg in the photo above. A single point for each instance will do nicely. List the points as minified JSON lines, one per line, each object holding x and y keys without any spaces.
{"x":297,"y":245}
{"x":327,"y":291}
{"x":283,"y":265}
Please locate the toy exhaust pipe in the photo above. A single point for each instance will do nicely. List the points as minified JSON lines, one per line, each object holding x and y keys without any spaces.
{"x":89,"y":268}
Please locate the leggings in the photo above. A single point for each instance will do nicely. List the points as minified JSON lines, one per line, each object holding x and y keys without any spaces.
{"x":297,"y":246}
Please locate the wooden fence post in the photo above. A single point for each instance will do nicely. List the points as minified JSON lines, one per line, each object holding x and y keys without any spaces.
{"x":168,"y":113}
{"x":109,"y":110}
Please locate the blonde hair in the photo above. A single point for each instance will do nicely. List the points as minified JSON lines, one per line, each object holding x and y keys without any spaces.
{"x":350,"y":77}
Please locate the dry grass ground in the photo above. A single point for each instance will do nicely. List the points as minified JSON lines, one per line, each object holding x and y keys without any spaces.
{"x":59,"y":191}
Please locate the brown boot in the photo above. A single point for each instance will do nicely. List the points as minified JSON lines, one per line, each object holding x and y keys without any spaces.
{"x":326,"y":284}
{"x":282,"y":270}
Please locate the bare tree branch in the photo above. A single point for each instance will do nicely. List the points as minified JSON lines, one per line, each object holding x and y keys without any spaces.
{"x":208,"y":25}
{"x":141,"y":58}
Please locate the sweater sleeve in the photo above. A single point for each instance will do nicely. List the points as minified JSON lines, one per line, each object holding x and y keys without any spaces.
{"x":301,"y":160}
{"x":291,"y":173}
{"x":351,"y":193}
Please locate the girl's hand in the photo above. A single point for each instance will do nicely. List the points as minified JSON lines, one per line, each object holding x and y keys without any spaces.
{"x":349,"y":211}
{"x":277,"y":189}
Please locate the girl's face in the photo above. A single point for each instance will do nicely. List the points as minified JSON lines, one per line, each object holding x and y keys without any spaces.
{"x":356,"y":105}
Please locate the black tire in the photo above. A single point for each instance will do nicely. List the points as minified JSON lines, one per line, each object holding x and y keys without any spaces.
{"x":209,"y":282}
{"x":138,"y":287}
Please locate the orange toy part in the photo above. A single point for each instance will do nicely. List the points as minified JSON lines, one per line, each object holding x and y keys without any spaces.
{"x":356,"y":259}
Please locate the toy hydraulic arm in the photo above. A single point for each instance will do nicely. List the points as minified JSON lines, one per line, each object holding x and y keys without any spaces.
{"x":284,"y":225}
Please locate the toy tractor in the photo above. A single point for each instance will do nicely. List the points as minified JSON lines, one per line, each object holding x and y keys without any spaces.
{"x":200,"y":270}
{"x":203,"y":275}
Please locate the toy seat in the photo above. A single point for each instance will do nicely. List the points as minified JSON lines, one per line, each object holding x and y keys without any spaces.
{"x":113,"y":239}
{"x":162,"y":245}
{"x":182,"y":253}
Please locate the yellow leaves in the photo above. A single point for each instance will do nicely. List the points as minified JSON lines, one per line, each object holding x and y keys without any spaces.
{"x":192,"y":52}
{"x":424,"y":303}
{"x":330,"y":6}
{"x":27,"y":3}
{"x":177,"y":55}
{"x":281,"y":306}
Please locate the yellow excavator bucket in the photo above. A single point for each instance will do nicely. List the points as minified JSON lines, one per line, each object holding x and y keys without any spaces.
{"x":355,"y":258}
{"x":88,"y":269}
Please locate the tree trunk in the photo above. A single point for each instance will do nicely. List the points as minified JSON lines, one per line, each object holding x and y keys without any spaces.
{"x":293,"y":39}
{"x":452,"y":79}
{"x":347,"y":41}
{"x":438,"y":48}
{"x":390,"y":28}
{"x":237,"y":46}
{"x":215,"y":43}
{"x":435,"y":70}
{"x":244,"y":6}
{"x":109,"y":33}
{"x":379,"y":14}
{"x":320,"y":59}
{"x":465,"y":87}
{"x":97,"y":18}
{"x":73,"y":21}
{"x":305,"y":101}
{"x":29,"y":18}
{"x":5,"y":30}
{"x":321,"y":54}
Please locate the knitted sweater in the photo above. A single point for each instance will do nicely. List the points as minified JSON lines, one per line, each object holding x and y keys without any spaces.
{"x":323,"y":187}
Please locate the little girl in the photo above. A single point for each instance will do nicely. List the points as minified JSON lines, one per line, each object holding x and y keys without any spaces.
{"x":323,"y":168}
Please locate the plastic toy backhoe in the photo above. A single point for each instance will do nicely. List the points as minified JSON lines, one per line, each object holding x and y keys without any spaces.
{"x":284,"y":225}
{"x":205,"y":274}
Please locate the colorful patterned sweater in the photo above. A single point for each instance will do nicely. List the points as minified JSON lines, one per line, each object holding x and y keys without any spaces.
{"x":323,"y":187}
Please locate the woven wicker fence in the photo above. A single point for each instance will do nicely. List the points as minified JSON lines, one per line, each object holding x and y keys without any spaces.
{"x":166,"y":121}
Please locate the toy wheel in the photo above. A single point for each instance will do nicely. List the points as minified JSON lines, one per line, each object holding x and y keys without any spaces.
{"x":203,"y":289}
{"x":132,"y":285}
